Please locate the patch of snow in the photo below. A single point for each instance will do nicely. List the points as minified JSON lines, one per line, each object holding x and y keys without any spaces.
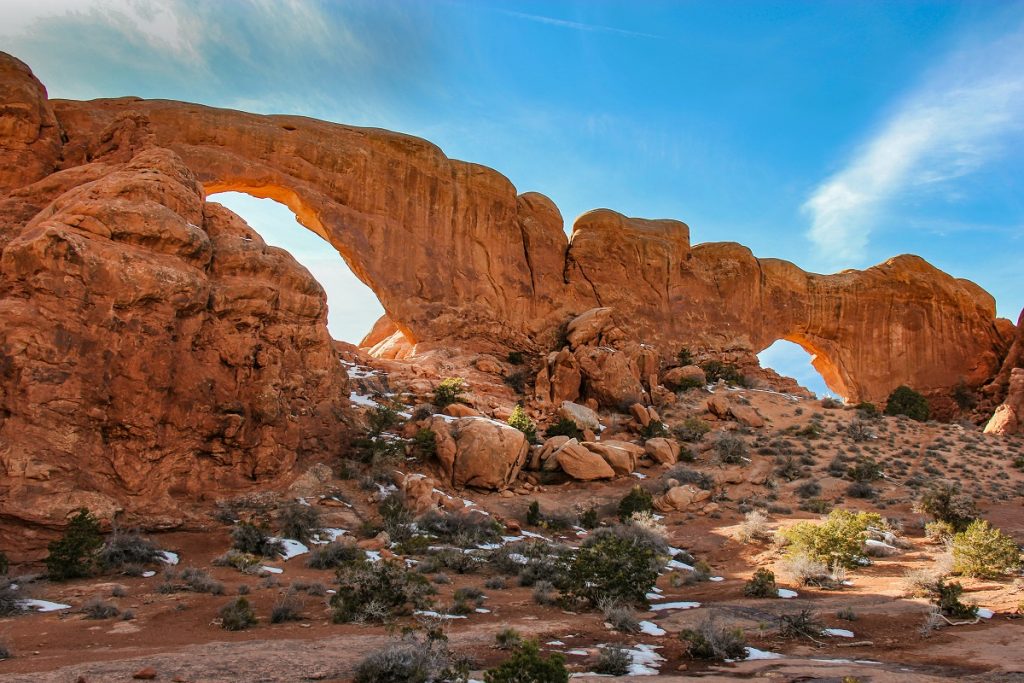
{"x":554,"y":642}
{"x":653,"y":596}
{"x":716,"y":579}
{"x":41,"y":605}
{"x":512,"y":539}
{"x":519,"y":559}
{"x":651,"y":629}
{"x":879,"y":544}
{"x":786,"y":593}
{"x":272,"y":570}
{"x":985,"y":613}
{"x":578,"y":652}
{"x":674,"y":605}
{"x":481,"y":610}
{"x":437,"y":615}
{"x":330,"y":534}
{"x":645,"y":660}
{"x":167,"y":557}
{"x":754,"y":653}
{"x":147,"y":574}
{"x":838,"y":632}
{"x":533,"y":535}
{"x":639,"y":475}
{"x":361,"y":400}
{"x":489,"y":546}
{"x":372,"y":555}
{"x":676,"y":564}
{"x":292,"y":548}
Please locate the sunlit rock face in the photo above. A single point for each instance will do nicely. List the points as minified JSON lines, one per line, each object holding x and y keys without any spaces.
{"x":153,"y":347}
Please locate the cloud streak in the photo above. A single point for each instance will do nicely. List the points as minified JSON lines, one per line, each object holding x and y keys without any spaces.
{"x":962,"y":116}
{"x":578,"y":25}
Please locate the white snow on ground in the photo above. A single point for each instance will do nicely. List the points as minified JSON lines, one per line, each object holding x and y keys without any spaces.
{"x":41,"y":605}
{"x":674,"y":605}
{"x":879,"y":544}
{"x":372,"y":555}
{"x":651,"y":629}
{"x":578,"y":652}
{"x":533,"y":535}
{"x":329,"y":534}
{"x":147,"y":574}
{"x":754,"y":653}
{"x":840,"y":632}
{"x":554,"y":642}
{"x":481,"y":610}
{"x":167,"y":557}
{"x":716,"y":579}
{"x":639,"y":475}
{"x":985,"y":613}
{"x":436,"y":615}
{"x":272,"y":570}
{"x":361,"y":400}
{"x":786,"y":594}
{"x":676,"y":564}
{"x":292,"y":548}
{"x":645,"y":660}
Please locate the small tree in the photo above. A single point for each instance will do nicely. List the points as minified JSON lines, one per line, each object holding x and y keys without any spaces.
{"x":637,"y":500}
{"x":74,"y":555}
{"x":449,"y":391}
{"x":761,"y":585}
{"x":521,"y":421}
{"x":527,"y":665}
{"x":612,"y":566}
{"x":564,"y":427}
{"x":983,"y":551}
{"x":836,"y":541}
{"x":905,"y":401}
{"x":945,"y":503}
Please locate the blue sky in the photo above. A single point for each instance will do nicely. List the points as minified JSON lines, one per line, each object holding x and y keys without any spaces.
{"x":831,"y":134}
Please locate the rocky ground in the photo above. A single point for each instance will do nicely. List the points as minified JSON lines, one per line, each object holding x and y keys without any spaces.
{"x":796,"y":465}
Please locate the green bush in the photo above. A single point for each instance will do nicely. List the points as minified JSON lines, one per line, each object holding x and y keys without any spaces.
{"x":509,"y":639}
{"x":684,"y":357}
{"x":465,"y":530}
{"x":521,"y":421}
{"x":414,"y":659}
{"x":837,"y":541}
{"x":126,"y":548}
{"x":527,"y":665}
{"x":654,"y":429}
{"x":237,"y":615}
{"x":564,"y":427}
{"x":378,"y":591}
{"x":449,"y":391}
{"x":615,"y":564}
{"x":802,"y":624}
{"x":613,"y":660}
{"x":249,"y":538}
{"x":717,"y":370}
{"x":905,"y":401}
{"x":74,"y":555}
{"x":866,"y":469}
{"x":945,"y":503}
{"x":731,"y":449}
{"x":946,"y":596}
{"x":287,"y":608}
{"x":867,"y":410}
{"x":761,"y":585}
{"x":424,"y":445}
{"x":983,"y":551}
{"x":382,"y":418}
{"x":691,"y":429}
{"x":516,"y":357}
{"x":298,"y":521}
{"x":637,"y":500}
{"x":333,"y":555}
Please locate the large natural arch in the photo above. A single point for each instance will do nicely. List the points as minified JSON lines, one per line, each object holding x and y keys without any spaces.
{"x":457,"y":257}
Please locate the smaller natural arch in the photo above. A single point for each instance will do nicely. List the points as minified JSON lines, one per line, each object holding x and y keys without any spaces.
{"x":829,"y":369}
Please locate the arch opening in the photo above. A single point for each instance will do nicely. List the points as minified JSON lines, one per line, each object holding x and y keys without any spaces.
{"x":798,"y":359}
{"x":353,"y":309}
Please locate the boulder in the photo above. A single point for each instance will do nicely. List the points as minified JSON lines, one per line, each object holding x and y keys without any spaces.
{"x":746,"y":415}
{"x":582,"y":464}
{"x":584,"y":417}
{"x":641,"y":414}
{"x":587,"y":327}
{"x":621,"y":455}
{"x":678,"y":376}
{"x":479,"y":452}
{"x":460,"y":410}
{"x":663,"y":451}
{"x":612,"y":376}
{"x":718,"y":406}
{"x":680,"y":498}
{"x":1008,"y":416}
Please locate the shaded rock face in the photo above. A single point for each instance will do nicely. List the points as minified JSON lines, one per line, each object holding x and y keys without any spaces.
{"x":152,"y":348}
{"x":456,"y":256}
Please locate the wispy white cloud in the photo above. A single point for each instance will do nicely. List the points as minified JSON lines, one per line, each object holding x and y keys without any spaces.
{"x":962,"y":116}
{"x":578,"y":25}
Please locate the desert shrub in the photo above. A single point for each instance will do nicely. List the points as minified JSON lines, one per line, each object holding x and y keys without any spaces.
{"x":126,"y":548}
{"x":867,"y":410}
{"x":829,"y":403}
{"x":333,"y":555}
{"x":716,"y":370}
{"x":946,"y":596}
{"x":395,"y":516}
{"x":249,"y":538}
{"x":984,"y":551}
{"x":464,"y":530}
{"x":527,"y":665}
{"x":298,"y":521}
{"x":684,"y":357}
{"x":383,"y":417}
{"x":613,"y":660}
{"x":859,"y":430}
{"x":200,"y":581}
{"x":905,"y":401}
{"x":761,"y":585}
{"x":5,"y":652}
{"x":939,"y":532}
{"x":846,"y":614}
{"x":497,"y":583}
{"x":10,"y":600}
{"x":685,"y":384}
{"x":378,"y":591}
{"x":518,"y":380}
{"x":521,"y":421}
{"x":691,"y":429}
{"x":564,"y":427}
{"x":237,"y":615}
{"x":920,"y":583}
{"x":945,"y":503}
{"x":714,"y":642}
{"x":865,"y":469}
{"x":508,"y":639}
{"x":413,"y":659}
{"x":754,"y":527}
{"x":424,"y":445}
{"x":466,"y":599}
{"x":860,"y":489}
{"x":731,"y":449}
{"x":964,"y":398}
{"x":74,"y":554}
{"x":590,"y":518}
{"x":818,"y":506}
{"x":789,"y":469}
{"x":654,"y":429}
{"x":620,"y":617}
{"x":5,"y":564}
{"x":449,"y":391}
{"x":637,"y":500}
{"x":535,"y":517}
{"x":685,"y":475}
{"x":836,"y":541}
{"x":287,"y":608}
{"x":516,"y":357}
{"x":96,"y":608}
{"x":808,"y":489}
{"x":544,"y":593}
{"x":619,"y":563}
{"x":452,"y":559}
{"x":801,"y":624}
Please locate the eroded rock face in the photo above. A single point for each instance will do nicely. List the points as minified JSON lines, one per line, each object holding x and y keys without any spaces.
{"x":485,"y":267}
